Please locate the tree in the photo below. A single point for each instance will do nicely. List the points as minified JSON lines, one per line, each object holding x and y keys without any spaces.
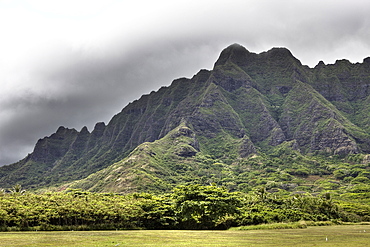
{"x":17,"y":189}
{"x":205,"y":207}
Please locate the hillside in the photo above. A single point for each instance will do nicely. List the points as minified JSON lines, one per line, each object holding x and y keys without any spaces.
{"x":254,"y":119}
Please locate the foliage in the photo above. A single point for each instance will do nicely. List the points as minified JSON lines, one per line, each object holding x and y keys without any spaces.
{"x":294,"y":225}
{"x":205,"y":207}
{"x":187,"y":207}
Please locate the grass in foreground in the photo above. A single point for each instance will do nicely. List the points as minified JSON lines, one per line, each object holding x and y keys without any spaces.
{"x":348,"y":235}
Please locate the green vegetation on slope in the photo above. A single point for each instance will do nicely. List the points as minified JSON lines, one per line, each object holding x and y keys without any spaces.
{"x":178,"y":159}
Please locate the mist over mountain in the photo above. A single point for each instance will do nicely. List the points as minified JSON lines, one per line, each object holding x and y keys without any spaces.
{"x":251,"y":111}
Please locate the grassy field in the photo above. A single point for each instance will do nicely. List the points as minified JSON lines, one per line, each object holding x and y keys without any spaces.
{"x":354,"y":235}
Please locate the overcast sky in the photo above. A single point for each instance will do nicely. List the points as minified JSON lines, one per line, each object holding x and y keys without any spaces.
{"x":77,"y":62}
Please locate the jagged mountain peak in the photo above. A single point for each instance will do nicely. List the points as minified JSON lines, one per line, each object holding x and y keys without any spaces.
{"x":84,"y":130}
{"x":280,"y":55}
{"x":235,"y":53}
{"x":343,"y":62}
{"x":321,"y":64}
{"x":281,"y":51}
{"x":99,"y":126}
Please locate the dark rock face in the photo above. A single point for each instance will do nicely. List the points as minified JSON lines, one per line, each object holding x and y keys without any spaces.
{"x":187,"y":132}
{"x":333,"y":139}
{"x":253,"y":101}
{"x":315,"y":123}
{"x":247,"y":148}
{"x":215,"y":115}
{"x":232,"y":80}
{"x":186,"y":151}
{"x":235,"y":53}
{"x":49,"y":149}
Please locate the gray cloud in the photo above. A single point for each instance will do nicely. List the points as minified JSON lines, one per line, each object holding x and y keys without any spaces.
{"x":75,"y":87}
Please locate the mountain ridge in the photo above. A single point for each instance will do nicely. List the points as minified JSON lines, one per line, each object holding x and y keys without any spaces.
{"x":247,"y":105}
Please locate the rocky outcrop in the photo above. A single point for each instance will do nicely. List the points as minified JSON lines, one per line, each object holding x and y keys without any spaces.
{"x":247,"y":148}
{"x":50,"y":149}
{"x":315,"y":123}
{"x":333,"y":139}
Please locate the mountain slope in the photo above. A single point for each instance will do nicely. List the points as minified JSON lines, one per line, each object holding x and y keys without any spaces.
{"x":151,"y":166}
{"x":317,"y":125}
{"x":250,"y":105}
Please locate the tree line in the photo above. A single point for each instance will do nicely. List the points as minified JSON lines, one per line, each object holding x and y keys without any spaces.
{"x":187,"y":207}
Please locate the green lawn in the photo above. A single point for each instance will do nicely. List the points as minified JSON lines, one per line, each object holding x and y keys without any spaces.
{"x":353,"y":235}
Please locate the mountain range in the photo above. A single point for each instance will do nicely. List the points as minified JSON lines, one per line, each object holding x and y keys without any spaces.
{"x":254,"y":119}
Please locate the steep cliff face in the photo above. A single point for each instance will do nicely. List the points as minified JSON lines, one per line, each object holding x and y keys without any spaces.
{"x":54,"y":147}
{"x":247,"y":105}
{"x":315,"y":123}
